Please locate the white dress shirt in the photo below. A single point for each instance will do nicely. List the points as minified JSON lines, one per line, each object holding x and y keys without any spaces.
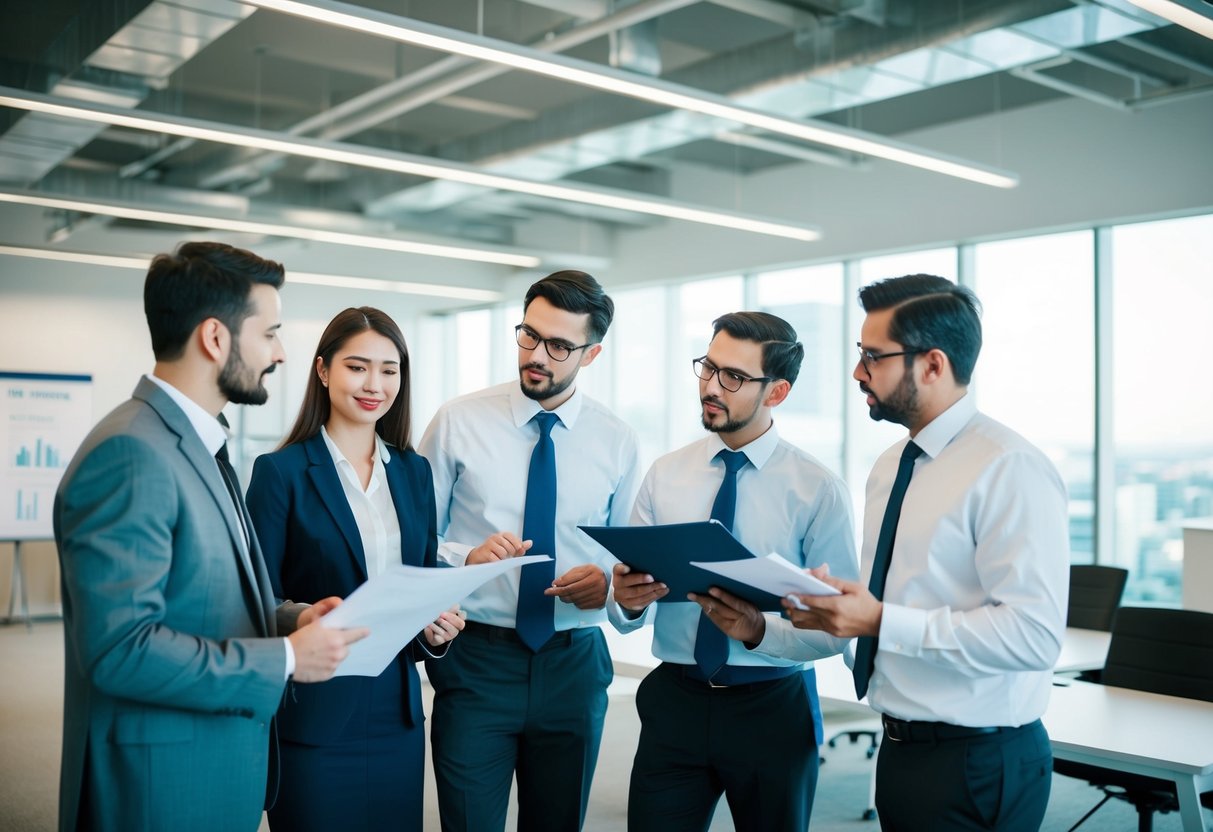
{"x":373,"y":509}
{"x":213,"y":435}
{"x":975,"y":601}
{"x":787,"y":503}
{"x":479,"y":447}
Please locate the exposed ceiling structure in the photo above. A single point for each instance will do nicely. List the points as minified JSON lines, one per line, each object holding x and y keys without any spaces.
{"x":457,"y":128}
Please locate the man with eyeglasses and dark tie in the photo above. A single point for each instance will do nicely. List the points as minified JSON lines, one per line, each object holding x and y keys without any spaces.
{"x":961,"y":611}
{"x":717,"y":717}
{"x":520,"y":466}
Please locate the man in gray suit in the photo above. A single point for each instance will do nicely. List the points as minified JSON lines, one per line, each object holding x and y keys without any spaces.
{"x":173,"y":668}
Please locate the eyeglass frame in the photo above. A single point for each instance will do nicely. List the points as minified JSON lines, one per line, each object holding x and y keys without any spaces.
{"x":719,"y":372}
{"x":868,"y":358}
{"x":547,"y":342}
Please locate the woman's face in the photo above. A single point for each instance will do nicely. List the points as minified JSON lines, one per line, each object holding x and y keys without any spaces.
{"x":363,"y":379}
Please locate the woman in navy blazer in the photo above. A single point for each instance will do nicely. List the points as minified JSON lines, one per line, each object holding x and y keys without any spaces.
{"x":342,"y":498}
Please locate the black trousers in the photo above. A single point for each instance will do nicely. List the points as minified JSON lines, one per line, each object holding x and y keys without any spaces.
{"x":991,"y":781}
{"x":753,"y":743}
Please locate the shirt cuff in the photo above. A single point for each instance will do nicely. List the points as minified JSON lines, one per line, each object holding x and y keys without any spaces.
{"x":902,"y":630}
{"x":454,"y":554}
{"x":290,"y":658}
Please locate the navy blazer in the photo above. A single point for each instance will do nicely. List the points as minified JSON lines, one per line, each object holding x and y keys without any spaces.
{"x":313,"y":550}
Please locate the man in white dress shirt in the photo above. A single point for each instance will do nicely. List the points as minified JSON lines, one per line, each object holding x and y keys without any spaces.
{"x":723,"y":719}
{"x":962,"y":606}
{"x":508,"y":700}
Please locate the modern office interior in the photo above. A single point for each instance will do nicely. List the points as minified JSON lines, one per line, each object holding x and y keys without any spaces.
{"x":433,"y":158}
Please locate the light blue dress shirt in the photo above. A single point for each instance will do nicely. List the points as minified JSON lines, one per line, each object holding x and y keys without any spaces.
{"x":787,"y":503}
{"x":479,"y":447}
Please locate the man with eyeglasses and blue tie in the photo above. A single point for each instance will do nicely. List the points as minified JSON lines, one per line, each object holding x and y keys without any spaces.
{"x":961,"y":611}
{"x":717,"y":717}
{"x":520,"y":466}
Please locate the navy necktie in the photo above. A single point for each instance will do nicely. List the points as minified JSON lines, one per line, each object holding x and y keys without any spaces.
{"x":534,"y":620}
{"x":711,"y":645}
{"x":865,"y":646}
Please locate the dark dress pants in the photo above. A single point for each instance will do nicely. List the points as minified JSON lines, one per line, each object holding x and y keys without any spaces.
{"x":499,"y":708}
{"x":992,"y":781}
{"x":753,"y":743}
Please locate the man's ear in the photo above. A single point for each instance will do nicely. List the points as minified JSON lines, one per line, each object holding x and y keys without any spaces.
{"x":214,"y":339}
{"x":590,"y":355}
{"x":935,"y":366}
{"x":778,"y":392}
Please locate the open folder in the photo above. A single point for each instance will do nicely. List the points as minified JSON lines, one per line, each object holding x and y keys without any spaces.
{"x":666,"y":552}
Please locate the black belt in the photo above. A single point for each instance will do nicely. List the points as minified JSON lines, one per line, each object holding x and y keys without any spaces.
{"x":732,"y":676}
{"x":560,"y":638}
{"x":899,"y":730}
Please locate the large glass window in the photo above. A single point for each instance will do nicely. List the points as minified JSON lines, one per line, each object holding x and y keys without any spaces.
{"x":1162,"y":278}
{"x":638,"y":362}
{"x":1036,"y":371}
{"x":810,"y":299}
{"x":473,"y":335}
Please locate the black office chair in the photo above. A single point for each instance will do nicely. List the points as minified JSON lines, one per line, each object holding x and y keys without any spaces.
{"x":1159,"y":651}
{"x":1095,"y":596}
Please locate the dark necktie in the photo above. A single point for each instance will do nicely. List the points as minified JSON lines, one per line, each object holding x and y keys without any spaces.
{"x":865,"y":647}
{"x":534,"y":620}
{"x":711,"y":645}
{"x":229,"y":479}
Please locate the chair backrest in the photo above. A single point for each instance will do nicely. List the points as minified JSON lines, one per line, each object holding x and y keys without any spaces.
{"x":1162,"y":651}
{"x":1094,"y":596}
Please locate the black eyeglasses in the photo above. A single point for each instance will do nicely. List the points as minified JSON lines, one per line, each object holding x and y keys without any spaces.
{"x":729,"y":380}
{"x":557,"y":349}
{"x":869,"y":358}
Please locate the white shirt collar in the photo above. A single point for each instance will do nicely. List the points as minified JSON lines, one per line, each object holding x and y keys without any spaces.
{"x":943,"y":428}
{"x":757,"y":451}
{"x":381,"y":449}
{"x":524,"y":408}
{"x":212,"y":434}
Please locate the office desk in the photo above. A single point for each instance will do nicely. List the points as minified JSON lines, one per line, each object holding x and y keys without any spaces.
{"x":1143,"y":733}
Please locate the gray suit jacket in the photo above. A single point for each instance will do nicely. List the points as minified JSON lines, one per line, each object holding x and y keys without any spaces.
{"x":171,"y":674}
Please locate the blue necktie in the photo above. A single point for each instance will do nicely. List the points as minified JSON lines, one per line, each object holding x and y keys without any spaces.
{"x":534,"y":620}
{"x":865,"y":647}
{"x":711,"y":645}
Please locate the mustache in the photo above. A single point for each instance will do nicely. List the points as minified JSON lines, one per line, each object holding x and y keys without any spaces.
{"x":866,"y":389}
{"x":269,"y":369}
{"x":539,"y":368}
{"x":715,"y":402}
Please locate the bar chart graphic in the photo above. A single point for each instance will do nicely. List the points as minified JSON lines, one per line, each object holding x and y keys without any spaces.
{"x":43,"y":419}
{"x":38,"y":453}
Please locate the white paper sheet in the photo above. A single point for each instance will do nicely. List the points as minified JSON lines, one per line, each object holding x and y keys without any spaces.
{"x":773,"y":574}
{"x":400,"y":602}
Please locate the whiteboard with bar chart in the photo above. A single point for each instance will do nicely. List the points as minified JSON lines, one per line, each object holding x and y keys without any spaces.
{"x":43,"y":419}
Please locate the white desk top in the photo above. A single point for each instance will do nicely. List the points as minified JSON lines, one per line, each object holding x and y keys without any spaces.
{"x":1165,"y":732}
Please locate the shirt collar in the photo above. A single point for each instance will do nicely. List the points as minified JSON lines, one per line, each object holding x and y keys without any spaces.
{"x":524,"y":409}
{"x":212,"y":434}
{"x":381,"y":449}
{"x":757,"y":452}
{"x":943,"y":428}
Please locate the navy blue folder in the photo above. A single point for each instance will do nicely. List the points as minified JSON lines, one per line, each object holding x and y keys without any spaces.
{"x":665,"y":552}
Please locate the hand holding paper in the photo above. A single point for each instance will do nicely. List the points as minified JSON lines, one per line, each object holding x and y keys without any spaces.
{"x":397,"y":604}
{"x":773,"y":574}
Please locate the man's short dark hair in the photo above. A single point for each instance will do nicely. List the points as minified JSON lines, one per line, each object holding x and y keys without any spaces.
{"x":930,"y":312}
{"x":781,"y":352}
{"x":578,"y":292}
{"x":200,"y":281}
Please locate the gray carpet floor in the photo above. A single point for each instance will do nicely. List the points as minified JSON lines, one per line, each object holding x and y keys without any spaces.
{"x":31,"y":681}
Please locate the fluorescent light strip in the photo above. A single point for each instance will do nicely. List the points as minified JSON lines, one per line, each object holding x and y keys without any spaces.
{"x":610,"y":80}
{"x":342,"y":238}
{"x":292,"y":277}
{"x":1186,"y":14}
{"x":375,"y":159}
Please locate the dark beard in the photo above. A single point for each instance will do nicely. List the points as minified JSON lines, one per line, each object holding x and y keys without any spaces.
{"x":545,"y":391}
{"x":232,"y":383}
{"x":730,"y":424}
{"x":901,"y":406}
